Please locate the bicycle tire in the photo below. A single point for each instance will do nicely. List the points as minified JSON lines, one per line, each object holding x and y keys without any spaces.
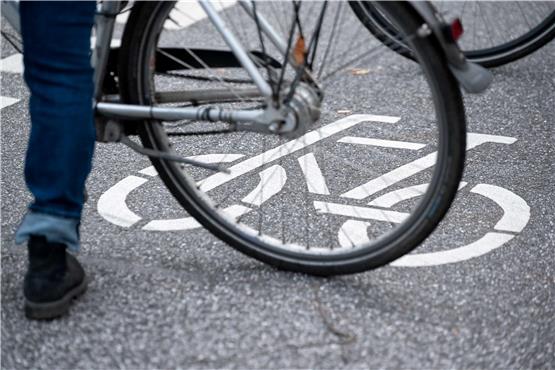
{"x":491,"y":57}
{"x":142,"y":31}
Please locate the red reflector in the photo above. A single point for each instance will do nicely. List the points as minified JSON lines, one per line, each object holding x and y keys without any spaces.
{"x":456,"y":29}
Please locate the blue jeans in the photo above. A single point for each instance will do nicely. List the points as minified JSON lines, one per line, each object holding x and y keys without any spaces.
{"x":57,"y":58}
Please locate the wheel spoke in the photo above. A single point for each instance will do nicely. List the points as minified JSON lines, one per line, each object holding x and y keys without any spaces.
{"x":271,"y":201}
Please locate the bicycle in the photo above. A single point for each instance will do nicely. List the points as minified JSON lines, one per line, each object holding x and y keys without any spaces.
{"x":272,"y":95}
{"x":500,"y":33}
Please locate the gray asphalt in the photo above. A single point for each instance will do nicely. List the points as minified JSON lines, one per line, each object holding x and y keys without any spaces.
{"x":187,"y":300}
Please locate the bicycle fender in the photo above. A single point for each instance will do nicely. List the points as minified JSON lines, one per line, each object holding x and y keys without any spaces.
{"x":471,"y":76}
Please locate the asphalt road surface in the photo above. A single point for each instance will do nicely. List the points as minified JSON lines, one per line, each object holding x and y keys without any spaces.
{"x":479,"y":293}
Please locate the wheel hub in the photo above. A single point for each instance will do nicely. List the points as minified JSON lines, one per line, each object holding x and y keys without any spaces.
{"x":302,"y":110}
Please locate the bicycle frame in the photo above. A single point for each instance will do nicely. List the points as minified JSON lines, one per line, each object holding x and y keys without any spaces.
{"x":252,"y":120}
{"x":104,"y":25}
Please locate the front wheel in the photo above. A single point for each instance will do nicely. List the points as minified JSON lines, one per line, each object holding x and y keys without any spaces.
{"x":496,"y":33}
{"x":291,"y":203}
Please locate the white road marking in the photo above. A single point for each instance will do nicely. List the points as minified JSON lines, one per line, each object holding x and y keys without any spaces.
{"x":187,"y":13}
{"x":12,"y":64}
{"x":474,"y":139}
{"x":184,"y":14}
{"x":360,"y":212}
{"x":114,"y":209}
{"x":188,"y":223}
{"x":176,"y":224}
{"x":313,"y":175}
{"x":149,"y":171}
{"x":6,"y":101}
{"x":236,"y":210}
{"x":419,"y":165}
{"x":353,"y":233}
{"x":393,"y":197}
{"x":112,"y":206}
{"x":516,"y":210}
{"x":485,"y":244}
{"x":392,"y":177}
{"x":272,"y":180}
{"x":206,"y":158}
{"x":217,"y":157}
{"x":381,"y":142}
{"x":290,"y":147}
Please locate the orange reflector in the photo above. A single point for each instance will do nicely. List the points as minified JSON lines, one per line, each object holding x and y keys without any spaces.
{"x":299,"y":51}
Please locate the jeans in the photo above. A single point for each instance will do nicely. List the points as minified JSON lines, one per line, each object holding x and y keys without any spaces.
{"x":57,"y":59}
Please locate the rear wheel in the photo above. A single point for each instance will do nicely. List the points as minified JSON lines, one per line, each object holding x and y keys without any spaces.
{"x":292,"y":203}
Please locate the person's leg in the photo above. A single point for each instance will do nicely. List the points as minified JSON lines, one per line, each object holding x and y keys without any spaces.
{"x":56,"y":42}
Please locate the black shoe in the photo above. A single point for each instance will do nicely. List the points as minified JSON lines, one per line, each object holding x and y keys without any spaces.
{"x":53,"y":279}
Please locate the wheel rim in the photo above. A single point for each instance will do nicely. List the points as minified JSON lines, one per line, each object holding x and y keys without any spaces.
{"x":271,"y":166}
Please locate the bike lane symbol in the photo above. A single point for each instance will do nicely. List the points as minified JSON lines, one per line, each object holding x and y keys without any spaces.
{"x":516,"y":212}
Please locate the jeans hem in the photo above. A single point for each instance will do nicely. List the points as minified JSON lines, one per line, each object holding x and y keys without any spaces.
{"x":54,"y":228}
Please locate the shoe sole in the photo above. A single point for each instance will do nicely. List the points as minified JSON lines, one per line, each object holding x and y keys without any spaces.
{"x":54,"y":309}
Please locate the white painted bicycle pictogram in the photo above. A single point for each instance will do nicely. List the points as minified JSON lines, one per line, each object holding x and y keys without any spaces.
{"x":516,"y":213}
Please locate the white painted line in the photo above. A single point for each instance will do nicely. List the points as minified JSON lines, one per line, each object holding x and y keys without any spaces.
{"x":272,"y":180}
{"x":474,"y":139}
{"x":382,"y":143}
{"x":290,"y":147}
{"x":149,"y":171}
{"x":12,"y":64}
{"x":187,"y":13}
{"x":186,"y":223}
{"x":393,"y":197}
{"x":206,"y":158}
{"x":353,"y":234}
{"x":6,"y":102}
{"x":184,"y":14}
{"x":516,"y":210}
{"x":419,"y":165}
{"x":392,"y":177}
{"x":112,"y":206}
{"x":216,"y":157}
{"x":484,"y":245}
{"x":313,"y":175}
{"x":234,"y":211}
{"x":360,"y":212}
{"x":189,"y":223}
